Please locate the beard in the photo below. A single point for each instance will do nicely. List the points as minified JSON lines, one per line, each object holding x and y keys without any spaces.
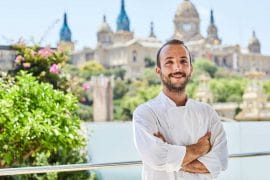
{"x":175,"y":87}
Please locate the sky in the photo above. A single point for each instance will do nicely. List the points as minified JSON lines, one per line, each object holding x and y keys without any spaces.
{"x":40,"y":21}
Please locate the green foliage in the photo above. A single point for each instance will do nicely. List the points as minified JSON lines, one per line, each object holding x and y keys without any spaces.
{"x":85,"y":112}
{"x":266,"y":87}
{"x":143,"y":94}
{"x":205,"y":65}
{"x":225,"y":73}
{"x":91,"y":68}
{"x":117,"y":73}
{"x":191,"y":89}
{"x":120,"y":89}
{"x":225,"y":90}
{"x":150,"y":76}
{"x":149,"y":62}
{"x":38,"y":126}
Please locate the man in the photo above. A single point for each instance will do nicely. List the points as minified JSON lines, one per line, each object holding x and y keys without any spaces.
{"x":177,"y":137}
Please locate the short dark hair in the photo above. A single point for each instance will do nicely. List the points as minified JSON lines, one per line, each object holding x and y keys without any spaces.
{"x":172,"y":42}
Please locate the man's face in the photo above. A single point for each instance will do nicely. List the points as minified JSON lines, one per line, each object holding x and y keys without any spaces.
{"x":175,"y":67}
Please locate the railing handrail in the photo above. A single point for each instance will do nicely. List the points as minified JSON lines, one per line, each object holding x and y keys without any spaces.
{"x":91,"y":166}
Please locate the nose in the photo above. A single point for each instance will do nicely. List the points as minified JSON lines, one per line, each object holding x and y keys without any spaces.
{"x":177,"y":67}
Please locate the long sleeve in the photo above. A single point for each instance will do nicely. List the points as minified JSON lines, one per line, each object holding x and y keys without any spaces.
{"x":153,"y":151}
{"x":217,"y":159}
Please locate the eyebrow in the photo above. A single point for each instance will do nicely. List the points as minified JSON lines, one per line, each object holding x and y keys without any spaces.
{"x":170,"y":57}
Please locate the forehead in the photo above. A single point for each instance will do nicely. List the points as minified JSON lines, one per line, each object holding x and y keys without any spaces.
{"x":173,"y":50}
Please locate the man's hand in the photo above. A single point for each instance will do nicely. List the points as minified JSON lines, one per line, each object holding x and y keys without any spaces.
{"x":204,"y":144}
{"x":195,"y":167}
{"x":194,"y":151}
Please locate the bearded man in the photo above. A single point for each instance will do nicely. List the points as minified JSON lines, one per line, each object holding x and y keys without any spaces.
{"x":178,"y":138}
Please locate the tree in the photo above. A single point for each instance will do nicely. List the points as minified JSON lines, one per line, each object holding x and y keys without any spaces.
{"x":143,"y":94}
{"x":150,"y":76}
{"x":149,"y":63}
{"x":91,"y":68}
{"x":117,"y":73}
{"x":225,"y":90}
{"x":205,"y":65}
{"x":266,"y":87}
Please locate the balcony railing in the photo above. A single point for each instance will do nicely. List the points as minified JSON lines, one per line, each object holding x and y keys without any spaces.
{"x":90,"y":166}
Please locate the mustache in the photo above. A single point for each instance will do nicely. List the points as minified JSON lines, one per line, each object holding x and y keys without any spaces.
{"x":177,"y":73}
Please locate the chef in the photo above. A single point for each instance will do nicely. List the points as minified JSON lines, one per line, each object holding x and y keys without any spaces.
{"x":178,"y":138}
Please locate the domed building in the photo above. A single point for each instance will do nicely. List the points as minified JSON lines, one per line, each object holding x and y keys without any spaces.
{"x":120,"y":48}
{"x":233,"y":57}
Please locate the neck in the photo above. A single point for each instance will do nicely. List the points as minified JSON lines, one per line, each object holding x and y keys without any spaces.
{"x":179,"y":98}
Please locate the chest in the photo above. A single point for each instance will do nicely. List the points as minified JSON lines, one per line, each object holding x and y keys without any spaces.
{"x":182,"y":126}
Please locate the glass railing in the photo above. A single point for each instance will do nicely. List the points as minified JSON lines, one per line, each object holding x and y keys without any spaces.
{"x":91,"y":166}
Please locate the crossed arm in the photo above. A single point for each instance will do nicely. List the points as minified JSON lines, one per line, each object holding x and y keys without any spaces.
{"x":193,"y":152}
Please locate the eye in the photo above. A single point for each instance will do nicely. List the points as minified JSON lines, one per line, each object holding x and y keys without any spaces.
{"x":183,"y":61}
{"x":168,"y":62}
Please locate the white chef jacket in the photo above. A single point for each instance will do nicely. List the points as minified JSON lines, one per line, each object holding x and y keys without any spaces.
{"x":181,"y":126}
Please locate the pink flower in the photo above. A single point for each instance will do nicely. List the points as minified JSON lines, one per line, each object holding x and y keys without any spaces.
{"x":55,"y":69}
{"x":19,"y":59}
{"x":45,"y":52}
{"x":85,"y":86}
{"x":26,"y":65}
{"x":32,"y":53}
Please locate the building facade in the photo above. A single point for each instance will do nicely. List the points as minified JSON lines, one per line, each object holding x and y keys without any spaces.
{"x":122,"y":49}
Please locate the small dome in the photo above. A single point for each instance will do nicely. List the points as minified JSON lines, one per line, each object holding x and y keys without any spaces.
{"x":104,"y":27}
{"x":254,"y":45}
{"x":187,"y":10}
{"x":254,"y":40}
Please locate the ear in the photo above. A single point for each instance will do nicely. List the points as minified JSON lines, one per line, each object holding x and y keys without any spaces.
{"x":158,"y":71}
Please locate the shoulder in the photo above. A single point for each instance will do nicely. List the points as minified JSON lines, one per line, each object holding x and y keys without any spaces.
{"x":146,"y":107}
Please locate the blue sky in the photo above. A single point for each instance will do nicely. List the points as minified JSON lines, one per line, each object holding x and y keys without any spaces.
{"x":35,"y":20}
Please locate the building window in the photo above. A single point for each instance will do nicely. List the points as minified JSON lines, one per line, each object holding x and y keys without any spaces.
{"x":134,"y":56}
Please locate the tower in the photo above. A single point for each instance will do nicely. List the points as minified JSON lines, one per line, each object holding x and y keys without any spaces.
{"x":122,"y":33}
{"x":152,"y":34}
{"x":212,"y":32}
{"x":187,"y":22}
{"x":103,"y":98}
{"x":65,"y":36}
{"x":104,"y":33}
{"x":122,"y":20}
{"x":254,"y":45}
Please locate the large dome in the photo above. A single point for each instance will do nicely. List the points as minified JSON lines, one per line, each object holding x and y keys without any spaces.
{"x":187,"y":10}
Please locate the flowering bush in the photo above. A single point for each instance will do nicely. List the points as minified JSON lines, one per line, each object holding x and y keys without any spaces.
{"x":44,"y":63}
{"x":39,"y":126}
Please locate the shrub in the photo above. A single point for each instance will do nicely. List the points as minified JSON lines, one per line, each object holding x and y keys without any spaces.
{"x":38,"y":126}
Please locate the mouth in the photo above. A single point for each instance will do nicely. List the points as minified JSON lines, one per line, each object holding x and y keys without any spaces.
{"x":178,"y":75}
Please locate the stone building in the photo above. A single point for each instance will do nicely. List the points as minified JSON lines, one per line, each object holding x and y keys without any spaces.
{"x":121,"y":48}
